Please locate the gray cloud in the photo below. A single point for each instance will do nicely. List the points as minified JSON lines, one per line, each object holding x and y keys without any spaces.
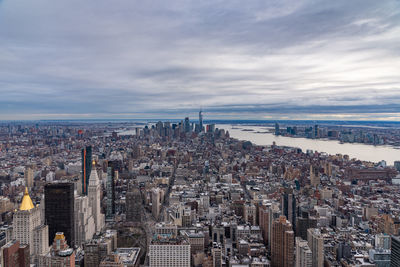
{"x":232,"y":58}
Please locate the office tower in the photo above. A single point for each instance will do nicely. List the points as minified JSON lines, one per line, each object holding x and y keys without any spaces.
{"x":134,"y":206}
{"x":397,"y":165}
{"x":201,"y":120}
{"x":282,"y":249}
{"x":97,"y":249}
{"x":316,"y":244}
{"x":382,"y":241}
{"x":216,"y":252}
{"x":267,"y":214}
{"x":155,"y":200}
{"x":169,"y":252}
{"x":186,"y":125}
{"x":85,"y":227}
{"x":28,"y":175}
{"x":288,"y":204}
{"x":303,"y":253}
{"x":316,"y":131}
{"x":86,"y":168}
{"x":380,"y":257}
{"x":61,"y":255}
{"x":15,"y":254}
{"x":94,"y":199}
{"x":250,"y":213}
{"x":277,"y":132}
{"x":114,"y":167}
{"x":25,"y":221}
{"x":314,"y":176}
{"x":395,"y":255}
{"x":59,"y":210}
{"x":40,"y":241}
{"x":304,"y":222}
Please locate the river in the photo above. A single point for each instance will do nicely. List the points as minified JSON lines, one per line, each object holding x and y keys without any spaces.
{"x":333,"y":147}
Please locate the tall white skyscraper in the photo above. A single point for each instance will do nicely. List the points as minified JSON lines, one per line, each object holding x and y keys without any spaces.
{"x":28,"y":226}
{"x":94,"y":198}
{"x":85,"y":226}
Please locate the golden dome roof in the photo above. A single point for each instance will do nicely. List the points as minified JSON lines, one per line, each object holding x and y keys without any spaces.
{"x":26,"y":203}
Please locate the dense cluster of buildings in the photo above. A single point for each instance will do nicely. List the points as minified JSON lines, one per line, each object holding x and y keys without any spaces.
{"x":187,"y":194}
{"x":344,"y":133}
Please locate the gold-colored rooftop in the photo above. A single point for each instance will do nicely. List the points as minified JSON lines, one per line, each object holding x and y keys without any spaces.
{"x":26,"y":203}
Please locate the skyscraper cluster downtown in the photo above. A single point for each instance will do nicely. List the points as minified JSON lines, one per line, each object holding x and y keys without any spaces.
{"x":188,"y":194}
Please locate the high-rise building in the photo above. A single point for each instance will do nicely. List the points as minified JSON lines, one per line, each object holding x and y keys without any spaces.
{"x":85,"y":227}
{"x":316,"y":244}
{"x":277,"y":131}
{"x":316,"y":131}
{"x":303,"y":253}
{"x":314,"y":176}
{"x":201,"y":120}
{"x":15,"y":254}
{"x":114,"y":167}
{"x":40,"y":241}
{"x":169,"y":253}
{"x":94,"y":199}
{"x":382,"y":241}
{"x":282,"y":249}
{"x":187,"y":125}
{"x":134,"y":205}
{"x":397,"y":165}
{"x":395,"y":252}
{"x":28,"y":175}
{"x":303,"y":223}
{"x":288,"y":204}
{"x":155,"y":200}
{"x":26,"y":221}
{"x":60,"y":255}
{"x":86,"y":168}
{"x":59,"y":210}
{"x":216,"y":252}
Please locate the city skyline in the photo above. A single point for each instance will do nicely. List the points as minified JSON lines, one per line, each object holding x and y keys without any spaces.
{"x":262,"y":60}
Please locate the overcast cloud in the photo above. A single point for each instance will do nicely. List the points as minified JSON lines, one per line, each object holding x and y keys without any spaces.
{"x":272,"y":59}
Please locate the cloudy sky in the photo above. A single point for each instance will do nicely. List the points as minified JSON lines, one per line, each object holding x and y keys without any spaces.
{"x":266,"y":59}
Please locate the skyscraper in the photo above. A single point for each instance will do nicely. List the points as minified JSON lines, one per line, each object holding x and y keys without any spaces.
{"x":395,"y":255}
{"x":155,"y":206}
{"x":26,"y":221}
{"x":303,"y":253}
{"x":277,"y":132}
{"x":288,"y":204}
{"x":28,"y":175}
{"x":15,"y":254}
{"x":314,"y":176}
{"x":94,"y":199}
{"x":133,"y":205}
{"x":112,"y":173}
{"x":316,"y":244}
{"x":187,"y":125}
{"x":201,"y":120}
{"x":282,"y":249}
{"x":59,"y":210}
{"x":86,"y":169}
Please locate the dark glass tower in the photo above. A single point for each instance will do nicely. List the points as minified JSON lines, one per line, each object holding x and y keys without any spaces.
{"x":288,"y":203}
{"x":59,"y":210}
{"x":395,"y":255}
{"x":86,"y":168}
{"x":112,"y":169}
